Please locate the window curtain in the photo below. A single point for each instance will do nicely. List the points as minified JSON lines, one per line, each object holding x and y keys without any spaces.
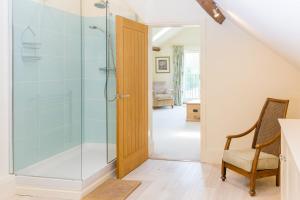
{"x":178,"y":63}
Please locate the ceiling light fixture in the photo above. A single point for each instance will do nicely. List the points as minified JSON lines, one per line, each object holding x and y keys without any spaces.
{"x":216,"y":12}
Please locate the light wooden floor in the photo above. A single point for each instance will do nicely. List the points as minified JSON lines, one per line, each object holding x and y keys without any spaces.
{"x":171,"y":180}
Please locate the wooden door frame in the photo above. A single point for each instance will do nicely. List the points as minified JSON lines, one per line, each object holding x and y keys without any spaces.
{"x":202,"y":142}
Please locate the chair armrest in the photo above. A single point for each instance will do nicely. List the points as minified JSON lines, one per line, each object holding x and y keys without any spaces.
{"x":229,"y":137}
{"x":244,"y":133}
{"x":260,"y":146}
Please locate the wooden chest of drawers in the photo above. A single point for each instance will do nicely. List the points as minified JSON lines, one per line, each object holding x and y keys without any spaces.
{"x":193,"y":111}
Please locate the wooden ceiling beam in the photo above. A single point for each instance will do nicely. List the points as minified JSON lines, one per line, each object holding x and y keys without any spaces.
{"x":212,"y":9}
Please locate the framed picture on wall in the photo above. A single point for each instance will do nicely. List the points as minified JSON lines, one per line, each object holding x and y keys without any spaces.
{"x":162,"y":64}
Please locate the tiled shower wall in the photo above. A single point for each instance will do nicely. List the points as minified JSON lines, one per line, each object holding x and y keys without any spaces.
{"x":50,"y":113}
{"x":94,"y":80}
{"x":46,"y":82}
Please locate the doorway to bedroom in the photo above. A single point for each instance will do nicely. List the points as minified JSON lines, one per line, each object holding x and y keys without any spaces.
{"x":176,"y":93}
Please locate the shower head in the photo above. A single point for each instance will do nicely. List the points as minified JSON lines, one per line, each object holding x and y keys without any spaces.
{"x":97,"y":28}
{"x":102,"y":4}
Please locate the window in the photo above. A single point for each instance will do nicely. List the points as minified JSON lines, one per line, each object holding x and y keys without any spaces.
{"x":191,"y":77}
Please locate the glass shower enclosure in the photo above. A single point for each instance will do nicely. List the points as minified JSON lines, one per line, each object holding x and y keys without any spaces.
{"x":64,"y":108}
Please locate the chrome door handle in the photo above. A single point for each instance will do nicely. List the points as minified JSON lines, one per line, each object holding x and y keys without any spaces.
{"x":123,"y":96}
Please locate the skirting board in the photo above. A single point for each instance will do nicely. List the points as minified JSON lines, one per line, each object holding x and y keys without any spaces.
{"x":7,"y":188}
{"x":43,"y":193}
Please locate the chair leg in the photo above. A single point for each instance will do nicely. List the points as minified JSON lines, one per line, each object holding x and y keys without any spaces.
{"x":252,"y":184}
{"x":278,"y":178}
{"x":223,"y":171}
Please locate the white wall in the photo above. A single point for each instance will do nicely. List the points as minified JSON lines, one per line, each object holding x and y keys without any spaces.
{"x":275,"y":26}
{"x":167,"y":12}
{"x":166,"y":77}
{"x":239,"y":73}
{"x":7,"y":188}
{"x":117,"y":7}
{"x":189,"y":37}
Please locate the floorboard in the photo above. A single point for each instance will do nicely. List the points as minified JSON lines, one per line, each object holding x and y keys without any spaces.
{"x":173,"y":180}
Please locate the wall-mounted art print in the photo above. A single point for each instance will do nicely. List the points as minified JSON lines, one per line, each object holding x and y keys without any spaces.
{"x":162,"y":64}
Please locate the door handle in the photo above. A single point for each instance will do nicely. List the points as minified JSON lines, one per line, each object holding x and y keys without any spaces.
{"x":123,"y":96}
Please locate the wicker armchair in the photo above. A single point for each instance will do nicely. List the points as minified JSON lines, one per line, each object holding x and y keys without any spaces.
{"x":262,"y":160}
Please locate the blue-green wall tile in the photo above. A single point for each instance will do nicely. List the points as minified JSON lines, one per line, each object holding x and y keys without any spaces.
{"x":51,"y":68}
{"x":95,"y":131}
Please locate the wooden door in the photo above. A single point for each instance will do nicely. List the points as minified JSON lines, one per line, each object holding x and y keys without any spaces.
{"x":132,"y":89}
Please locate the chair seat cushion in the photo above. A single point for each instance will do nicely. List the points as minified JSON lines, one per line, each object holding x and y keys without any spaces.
{"x":163,"y":96}
{"x":243,"y":159}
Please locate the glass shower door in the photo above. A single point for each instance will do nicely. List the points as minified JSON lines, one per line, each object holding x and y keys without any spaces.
{"x":111,"y":88}
{"x":99,"y":85}
{"x":94,"y":153}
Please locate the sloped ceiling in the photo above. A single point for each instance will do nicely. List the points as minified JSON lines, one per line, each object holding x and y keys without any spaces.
{"x":275,"y":22}
{"x":171,"y":32}
{"x":167,"y":12}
